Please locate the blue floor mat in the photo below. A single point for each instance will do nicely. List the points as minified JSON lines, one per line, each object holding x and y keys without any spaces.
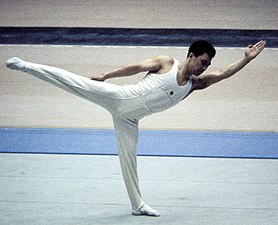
{"x":151,"y":142}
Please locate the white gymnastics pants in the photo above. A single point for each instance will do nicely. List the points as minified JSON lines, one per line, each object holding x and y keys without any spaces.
{"x":126,"y":110}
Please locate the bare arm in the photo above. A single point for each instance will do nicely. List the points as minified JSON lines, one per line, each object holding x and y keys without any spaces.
{"x":152,"y":65}
{"x":251,"y":52}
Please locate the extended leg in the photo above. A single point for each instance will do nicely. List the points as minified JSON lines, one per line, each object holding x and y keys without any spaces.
{"x":127,"y":139}
{"x":101,"y":93}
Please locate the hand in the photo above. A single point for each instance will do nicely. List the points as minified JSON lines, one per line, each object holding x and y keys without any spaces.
{"x":252,"y":51}
{"x":97,"y":77}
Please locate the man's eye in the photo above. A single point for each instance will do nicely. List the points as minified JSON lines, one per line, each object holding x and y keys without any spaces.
{"x":205,"y":63}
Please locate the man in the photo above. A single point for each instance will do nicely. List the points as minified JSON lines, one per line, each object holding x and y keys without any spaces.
{"x":167,"y":82}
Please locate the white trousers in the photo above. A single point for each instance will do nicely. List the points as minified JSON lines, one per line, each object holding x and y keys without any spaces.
{"x":126,"y":110}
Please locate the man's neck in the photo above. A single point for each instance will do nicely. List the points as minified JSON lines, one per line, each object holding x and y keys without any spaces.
{"x":183,"y":73}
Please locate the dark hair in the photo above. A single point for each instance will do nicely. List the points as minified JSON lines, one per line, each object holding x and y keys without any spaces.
{"x":200,"y":47}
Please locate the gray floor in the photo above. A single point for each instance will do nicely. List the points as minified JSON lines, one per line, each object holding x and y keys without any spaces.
{"x":79,"y":189}
{"x":76,"y":189}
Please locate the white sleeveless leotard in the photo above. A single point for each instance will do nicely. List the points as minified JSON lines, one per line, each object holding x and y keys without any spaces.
{"x":161,"y":91}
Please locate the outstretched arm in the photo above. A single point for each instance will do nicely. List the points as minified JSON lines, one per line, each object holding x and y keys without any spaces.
{"x":251,"y":52}
{"x":152,"y":65}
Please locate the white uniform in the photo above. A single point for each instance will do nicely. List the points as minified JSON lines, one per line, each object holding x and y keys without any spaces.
{"x":127,"y":104}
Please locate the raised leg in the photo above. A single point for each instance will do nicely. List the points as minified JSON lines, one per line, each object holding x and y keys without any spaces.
{"x":101,"y":93}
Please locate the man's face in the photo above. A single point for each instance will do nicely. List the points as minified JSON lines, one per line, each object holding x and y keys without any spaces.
{"x":200,"y":63}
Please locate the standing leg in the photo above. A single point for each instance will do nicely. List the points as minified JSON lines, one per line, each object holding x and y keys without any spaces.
{"x":127,"y":139}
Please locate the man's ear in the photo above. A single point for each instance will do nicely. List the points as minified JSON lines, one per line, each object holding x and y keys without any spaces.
{"x":190,"y":55}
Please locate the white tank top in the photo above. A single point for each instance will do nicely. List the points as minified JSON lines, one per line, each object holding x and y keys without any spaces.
{"x":162,"y":91}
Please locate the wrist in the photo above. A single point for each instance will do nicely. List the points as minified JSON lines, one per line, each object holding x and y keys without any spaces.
{"x":246,"y":59}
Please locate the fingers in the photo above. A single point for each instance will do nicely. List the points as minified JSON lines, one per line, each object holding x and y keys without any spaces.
{"x":260,"y":45}
{"x":253,"y":51}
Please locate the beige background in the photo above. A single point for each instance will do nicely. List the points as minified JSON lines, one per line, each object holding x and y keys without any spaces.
{"x":247,"y":101}
{"x":248,"y":14}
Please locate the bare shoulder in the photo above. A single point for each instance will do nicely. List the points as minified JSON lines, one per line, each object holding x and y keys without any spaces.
{"x":166,"y":62}
{"x":165,"y":59}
